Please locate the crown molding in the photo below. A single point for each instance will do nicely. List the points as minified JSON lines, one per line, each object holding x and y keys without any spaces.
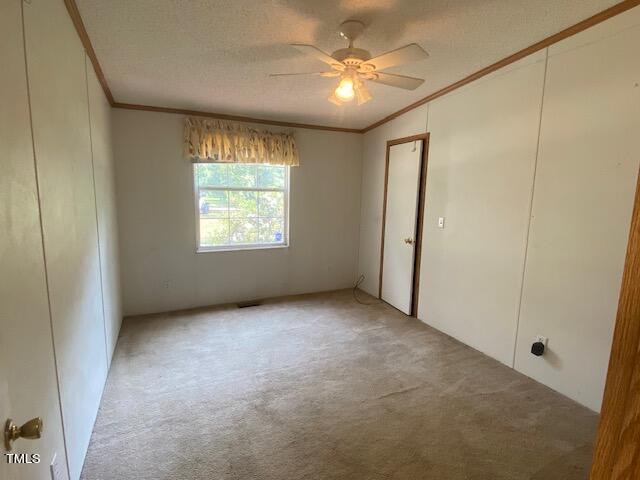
{"x":74,"y":13}
{"x":566,"y":33}
{"x":237,"y":118}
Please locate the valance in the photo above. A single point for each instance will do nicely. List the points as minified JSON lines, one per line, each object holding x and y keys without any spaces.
{"x":209,"y":140}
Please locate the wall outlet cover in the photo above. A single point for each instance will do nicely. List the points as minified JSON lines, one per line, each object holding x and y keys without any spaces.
{"x":542,"y":339}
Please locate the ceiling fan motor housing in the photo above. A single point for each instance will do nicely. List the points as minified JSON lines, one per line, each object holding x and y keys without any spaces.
{"x":351,"y":56}
{"x":351,"y":29}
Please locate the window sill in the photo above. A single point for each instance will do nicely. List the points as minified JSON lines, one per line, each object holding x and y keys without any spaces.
{"x":241,"y":248}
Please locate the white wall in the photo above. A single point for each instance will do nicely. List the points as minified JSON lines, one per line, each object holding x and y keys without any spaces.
{"x":59,"y":108}
{"x":104,"y":185}
{"x":160,"y":269}
{"x":481,"y":164}
{"x":558,"y":140}
{"x":28,"y":384}
{"x":584,"y":190}
{"x":77,"y":212}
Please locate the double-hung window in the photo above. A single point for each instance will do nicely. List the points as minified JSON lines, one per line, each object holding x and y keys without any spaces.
{"x":241,"y":206}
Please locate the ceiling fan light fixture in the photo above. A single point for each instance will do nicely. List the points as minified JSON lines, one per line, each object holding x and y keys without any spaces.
{"x":334,"y":99}
{"x":362,"y":93}
{"x":355,"y":66}
{"x":345,"y":90}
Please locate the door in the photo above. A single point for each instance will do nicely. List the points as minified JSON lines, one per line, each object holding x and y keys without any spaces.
{"x":400,"y":220}
{"x":28,"y":385}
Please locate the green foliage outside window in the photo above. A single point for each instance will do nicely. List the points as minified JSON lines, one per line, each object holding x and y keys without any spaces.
{"x":237,"y":216}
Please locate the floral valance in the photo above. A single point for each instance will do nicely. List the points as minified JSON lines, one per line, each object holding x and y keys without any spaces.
{"x":208,"y":140}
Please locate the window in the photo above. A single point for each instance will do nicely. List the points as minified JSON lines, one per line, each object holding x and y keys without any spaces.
{"x":241,"y":205}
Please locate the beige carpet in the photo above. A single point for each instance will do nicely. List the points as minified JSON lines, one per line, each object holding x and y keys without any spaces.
{"x":321,"y":387}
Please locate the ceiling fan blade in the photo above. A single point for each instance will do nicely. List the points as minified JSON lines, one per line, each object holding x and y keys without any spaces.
{"x":331,"y":73}
{"x":399,"y":81}
{"x":317,"y":53}
{"x":407,"y":54}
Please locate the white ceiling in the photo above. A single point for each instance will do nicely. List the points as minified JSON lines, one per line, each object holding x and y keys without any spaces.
{"x":216,"y":55}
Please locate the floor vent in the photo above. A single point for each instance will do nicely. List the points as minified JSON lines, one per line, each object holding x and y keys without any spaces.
{"x":253,"y":303}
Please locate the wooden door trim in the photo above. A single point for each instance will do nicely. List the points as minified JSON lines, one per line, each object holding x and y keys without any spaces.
{"x":419,"y":214}
{"x":617,"y":450}
{"x":76,"y":19}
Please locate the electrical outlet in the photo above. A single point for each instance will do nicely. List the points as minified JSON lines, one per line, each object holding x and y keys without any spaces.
{"x":56,"y":468}
{"x":542,"y":339}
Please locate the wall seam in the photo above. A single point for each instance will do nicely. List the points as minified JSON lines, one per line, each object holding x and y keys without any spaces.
{"x":528,"y":232}
{"x":357,"y":273}
{"x":95,"y":205}
{"x":44,"y":250}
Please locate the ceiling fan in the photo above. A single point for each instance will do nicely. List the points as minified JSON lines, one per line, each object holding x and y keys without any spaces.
{"x":354,"y":66}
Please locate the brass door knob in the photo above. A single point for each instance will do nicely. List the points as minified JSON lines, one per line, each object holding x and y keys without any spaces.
{"x":30,"y":430}
{"x":408,"y":241}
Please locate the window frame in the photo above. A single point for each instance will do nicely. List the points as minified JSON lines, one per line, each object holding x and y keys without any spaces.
{"x":246,"y":246}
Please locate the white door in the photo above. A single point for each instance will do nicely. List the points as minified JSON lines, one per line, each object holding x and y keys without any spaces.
{"x":28,"y":386}
{"x":403,"y":186}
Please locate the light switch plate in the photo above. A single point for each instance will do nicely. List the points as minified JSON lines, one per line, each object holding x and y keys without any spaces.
{"x":440,"y":222}
{"x":56,"y":468}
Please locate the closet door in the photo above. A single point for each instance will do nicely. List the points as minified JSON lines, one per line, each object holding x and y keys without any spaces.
{"x":401,"y":209}
{"x":27,"y":368}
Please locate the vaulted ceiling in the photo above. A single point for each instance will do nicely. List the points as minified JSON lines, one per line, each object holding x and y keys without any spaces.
{"x":216,"y":55}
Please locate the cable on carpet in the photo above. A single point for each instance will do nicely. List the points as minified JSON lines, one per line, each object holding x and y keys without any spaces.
{"x":355,"y":287}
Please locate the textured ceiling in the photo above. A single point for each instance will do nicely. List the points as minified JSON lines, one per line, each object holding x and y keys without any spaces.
{"x":216,"y":55}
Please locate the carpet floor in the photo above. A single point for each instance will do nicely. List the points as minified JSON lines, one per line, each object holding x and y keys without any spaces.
{"x":322,"y":387}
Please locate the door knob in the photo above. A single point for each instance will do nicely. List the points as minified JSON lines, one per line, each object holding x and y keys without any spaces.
{"x":30,"y":430}
{"x":408,"y":241}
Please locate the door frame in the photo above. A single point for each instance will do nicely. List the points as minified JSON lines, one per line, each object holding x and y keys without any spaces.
{"x":415,"y":290}
{"x":617,"y":448}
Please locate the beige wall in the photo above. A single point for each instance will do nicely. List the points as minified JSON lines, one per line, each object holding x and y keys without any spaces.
{"x":160,"y":269}
{"x":481,"y":164}
{"x":534,"y":168}
{"x":77,"y":241}
{"x":105,"y":199}
{"x":59,"y":109}
{"x":28,"y":384}
{"x":584,"y":190}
